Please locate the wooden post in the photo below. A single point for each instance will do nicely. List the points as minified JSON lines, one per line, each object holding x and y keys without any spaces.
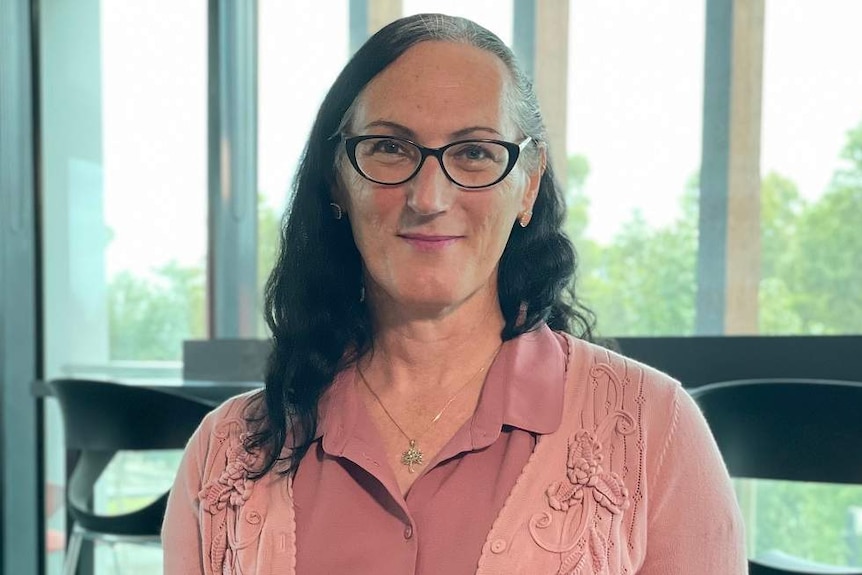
{"x":728,"y":263}
{"x":551,"y":75}
{"x":382,"y":12}
{"x":743,"y":207}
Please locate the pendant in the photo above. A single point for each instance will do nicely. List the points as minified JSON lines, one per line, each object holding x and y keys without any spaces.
{"x":412,"y":456}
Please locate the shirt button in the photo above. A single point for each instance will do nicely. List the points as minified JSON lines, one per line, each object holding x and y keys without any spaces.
{"x":498,"y":546}
{"x":408,"y":532}
{"x":253,"y":517}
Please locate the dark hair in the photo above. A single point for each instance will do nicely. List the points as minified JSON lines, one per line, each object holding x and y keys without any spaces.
{"x":319,"y":325}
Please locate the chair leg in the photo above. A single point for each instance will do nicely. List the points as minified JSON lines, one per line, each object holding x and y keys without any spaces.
{"x":116,"y":558}
{"x":73,"y":551}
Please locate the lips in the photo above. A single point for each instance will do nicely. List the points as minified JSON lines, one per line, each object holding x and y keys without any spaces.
{"x":429,"y":243}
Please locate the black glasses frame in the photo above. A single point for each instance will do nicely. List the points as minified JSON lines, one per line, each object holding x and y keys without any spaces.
{"x":513,"y":149}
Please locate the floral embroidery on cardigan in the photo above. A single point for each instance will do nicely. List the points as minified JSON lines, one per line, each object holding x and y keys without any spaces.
{"x":233,"y":485}
{"x":587,"y":486}
{"x":585,"y":473}
{"x":587,"y":489}
{"x":222,"y":496}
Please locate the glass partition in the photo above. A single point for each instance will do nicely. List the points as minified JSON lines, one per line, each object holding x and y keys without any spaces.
{"x":635,"y":98}
{"x":123,"y":88}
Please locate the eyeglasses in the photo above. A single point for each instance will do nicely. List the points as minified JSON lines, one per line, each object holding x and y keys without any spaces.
{"x":469,"y":164}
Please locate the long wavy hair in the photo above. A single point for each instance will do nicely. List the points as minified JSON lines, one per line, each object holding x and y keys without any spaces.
{"x":312,"y":304}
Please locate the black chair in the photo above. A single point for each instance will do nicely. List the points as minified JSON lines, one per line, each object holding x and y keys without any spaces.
{"x":100,"y":419}
{"x":787,"y":429}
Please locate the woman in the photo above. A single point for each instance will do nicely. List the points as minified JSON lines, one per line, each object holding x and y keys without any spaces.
{"x":425,"y":409}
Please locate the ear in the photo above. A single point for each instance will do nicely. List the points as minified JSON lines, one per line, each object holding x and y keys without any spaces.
{"x":534,"y":180}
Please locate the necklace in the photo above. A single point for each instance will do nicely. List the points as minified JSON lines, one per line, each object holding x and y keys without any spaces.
{"x":413,"y":455}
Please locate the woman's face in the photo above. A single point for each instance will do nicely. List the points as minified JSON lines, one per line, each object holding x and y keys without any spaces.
{"x":427,"y":243}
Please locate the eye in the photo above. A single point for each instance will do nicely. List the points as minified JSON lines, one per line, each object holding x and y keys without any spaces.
{"x":477,"y":154}
{"x":474,"y":152}
{"x":388,"y":146}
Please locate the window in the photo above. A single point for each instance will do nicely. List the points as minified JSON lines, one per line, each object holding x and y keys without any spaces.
{"x":300,"y":53}
{"x":123,"y":144}
{"x":812,"y":170}
{"x":635,"y":98}
{"x":811,"y":200}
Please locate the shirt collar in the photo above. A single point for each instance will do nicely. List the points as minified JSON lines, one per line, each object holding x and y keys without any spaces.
{"x":524,"y":388}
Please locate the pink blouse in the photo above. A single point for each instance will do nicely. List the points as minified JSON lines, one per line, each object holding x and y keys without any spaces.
{"x":350,"y":514}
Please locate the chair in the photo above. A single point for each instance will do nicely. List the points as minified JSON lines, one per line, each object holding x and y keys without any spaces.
{"x":787,"y":429}
{"x":100,"y":419}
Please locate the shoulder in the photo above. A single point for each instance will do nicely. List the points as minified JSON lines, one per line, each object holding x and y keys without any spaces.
{"x":223,"y":428}
{"x":238,"y":406}
{"x":606,"y":384}
{"x":602,"y":364}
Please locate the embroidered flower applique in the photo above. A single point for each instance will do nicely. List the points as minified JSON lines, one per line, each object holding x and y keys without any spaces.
{"x":222,"y":496}
{"x":233,"y":485}
{"x":585,"y":473}
{"x":587,"y":488}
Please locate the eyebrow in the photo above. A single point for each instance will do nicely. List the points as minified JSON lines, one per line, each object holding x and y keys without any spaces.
{"x":405,"y":132}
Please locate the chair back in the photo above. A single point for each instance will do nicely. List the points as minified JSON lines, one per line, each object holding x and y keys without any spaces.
{"x":787,"y":429}
{"x":101,"y":418}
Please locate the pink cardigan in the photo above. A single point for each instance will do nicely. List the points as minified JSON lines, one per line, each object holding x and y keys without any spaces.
{"x":631,"y":483}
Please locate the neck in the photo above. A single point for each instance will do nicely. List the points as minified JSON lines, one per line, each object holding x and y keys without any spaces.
{"x":415,"y":352}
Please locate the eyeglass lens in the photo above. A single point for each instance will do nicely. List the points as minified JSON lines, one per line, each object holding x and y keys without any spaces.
{"x":469,"y":163}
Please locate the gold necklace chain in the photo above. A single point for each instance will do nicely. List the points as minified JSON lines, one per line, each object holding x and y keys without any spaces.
{"x":413,"y":455}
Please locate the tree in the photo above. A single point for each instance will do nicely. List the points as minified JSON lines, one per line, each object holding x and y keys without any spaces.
{"x":577,"y":203}
{"x":150,"y":317}
{"x":643,"y":283}
{"x":781,"y":207}
{"x":826,"y":273}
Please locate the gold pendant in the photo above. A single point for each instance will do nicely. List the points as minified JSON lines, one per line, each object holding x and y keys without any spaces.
{"x":412,"y":456}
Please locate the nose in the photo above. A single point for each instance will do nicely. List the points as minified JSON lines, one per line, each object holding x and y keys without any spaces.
{"x":430,"y":191}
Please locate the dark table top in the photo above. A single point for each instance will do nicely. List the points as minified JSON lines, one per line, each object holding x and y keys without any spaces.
{"x":211,"y":392}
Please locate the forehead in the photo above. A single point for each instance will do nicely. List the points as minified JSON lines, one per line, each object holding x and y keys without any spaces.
{"x":438,"y":88}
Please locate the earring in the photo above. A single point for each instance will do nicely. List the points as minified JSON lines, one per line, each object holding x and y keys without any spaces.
{"x":522,"y":314}
{"x":337,"y":212}
{"x":362,"y":293}
{"x":525,"y":217}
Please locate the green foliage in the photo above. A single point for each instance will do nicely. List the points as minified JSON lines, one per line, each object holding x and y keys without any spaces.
{"x":644,"y":282}
{"x":268,"y":237}
{"x":808,"y":520}
{"x":825,"y":272}
{"x":268,"y":233}
{"x":150,"y":317}
{"x":812,"y":252}
{"x":577,"y":203}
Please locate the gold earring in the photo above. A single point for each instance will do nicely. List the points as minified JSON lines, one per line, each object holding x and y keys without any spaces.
{"x":525,"y":217}
{"x":337,"y":212}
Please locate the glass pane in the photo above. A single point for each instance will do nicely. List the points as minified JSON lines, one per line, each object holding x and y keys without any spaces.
{"x":811,"y":164}
{"x":797,"y":523}
{"x":123,"y":95}
{"x":634,"y":139}
{"x":124,"y":169}
{"x":291,"y":86}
